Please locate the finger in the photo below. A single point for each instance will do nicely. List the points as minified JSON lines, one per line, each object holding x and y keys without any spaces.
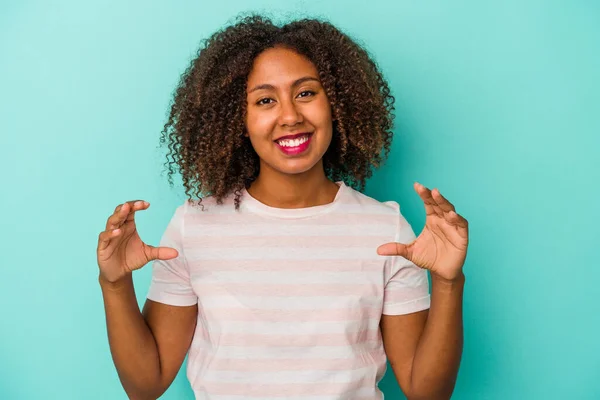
{"x":441,"y":201}
{"x":394,"y":249}
{"x":105,"y":238}
{"x":458,"y":221}
{"x":125,"y":212}
{"x":118,"y":217}
{"x":431,"y":207}
{"x":162,"y":253}
{"x":459,"y":224}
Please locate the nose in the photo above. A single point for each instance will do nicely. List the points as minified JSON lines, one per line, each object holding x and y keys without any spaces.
{"x":289,"y":114}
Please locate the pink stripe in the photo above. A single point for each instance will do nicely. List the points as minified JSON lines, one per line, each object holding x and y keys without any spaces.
{"x":284,"y":389}
{"x":258,"y":241}
{"x":296,"y":266}
{"x":284,"y":290}
{"x":269,"y":340}
{"x":248,"y":219}
{"x":295,"y":364}
{"x":406,"y":294}
{"x":325,"y":314}
{"x":360,"y":359}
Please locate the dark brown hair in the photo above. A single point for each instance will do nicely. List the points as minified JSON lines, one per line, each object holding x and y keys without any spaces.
{"x":206,"y":125}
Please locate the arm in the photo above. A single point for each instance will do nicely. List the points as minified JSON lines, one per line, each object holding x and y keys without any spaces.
{"x":147,"y":349}
{"x":424,"y":348}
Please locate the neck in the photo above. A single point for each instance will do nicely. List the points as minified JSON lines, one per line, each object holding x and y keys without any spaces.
{"x":308,"y":189}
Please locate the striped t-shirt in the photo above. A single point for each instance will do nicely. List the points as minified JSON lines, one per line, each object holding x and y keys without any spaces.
{"x":289,"y":300}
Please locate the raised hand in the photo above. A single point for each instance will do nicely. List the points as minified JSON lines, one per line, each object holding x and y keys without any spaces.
{"x":120,"y":249}
{"x":442,"y":245}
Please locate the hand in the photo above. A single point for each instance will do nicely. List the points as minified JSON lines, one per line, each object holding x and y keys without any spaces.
{"x":442,"y":245}
{"x":120,"y":249}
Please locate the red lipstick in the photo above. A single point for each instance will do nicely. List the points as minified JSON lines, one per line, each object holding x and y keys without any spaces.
{"x":294,"y":144}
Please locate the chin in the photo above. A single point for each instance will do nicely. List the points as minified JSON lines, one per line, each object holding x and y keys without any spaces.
{"x":296,"y":167}
{"x":294,"y":170}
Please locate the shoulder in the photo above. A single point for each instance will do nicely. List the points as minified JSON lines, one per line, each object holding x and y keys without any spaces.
{"x":370,"y":204}
{"x":386,"y":213}
{"x":208,"y":205}
{"x":193,"y":213}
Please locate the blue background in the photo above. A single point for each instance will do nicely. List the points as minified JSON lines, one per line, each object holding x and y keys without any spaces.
{"x":498,"y":105}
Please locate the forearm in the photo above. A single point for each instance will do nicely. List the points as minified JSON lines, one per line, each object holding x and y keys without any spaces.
{"x":439,"y":350}
{"x":132,"y":344}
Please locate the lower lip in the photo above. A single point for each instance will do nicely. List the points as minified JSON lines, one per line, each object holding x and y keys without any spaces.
{"x":292,"y":151}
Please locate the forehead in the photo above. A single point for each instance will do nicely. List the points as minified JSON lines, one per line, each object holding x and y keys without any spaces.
{"x":280,"y":66}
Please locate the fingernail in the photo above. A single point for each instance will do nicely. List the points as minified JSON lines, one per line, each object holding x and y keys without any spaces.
{"x":137,"y":203}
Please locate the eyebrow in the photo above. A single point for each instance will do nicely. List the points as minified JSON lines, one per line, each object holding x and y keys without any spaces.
{"x":296,"y":83}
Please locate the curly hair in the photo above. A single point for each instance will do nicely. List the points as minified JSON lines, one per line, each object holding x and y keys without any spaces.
{"x":206,"y":128}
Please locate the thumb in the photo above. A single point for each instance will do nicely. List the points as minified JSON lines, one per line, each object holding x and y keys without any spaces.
{"x":162,"y":253}
{"x":393,"y":249}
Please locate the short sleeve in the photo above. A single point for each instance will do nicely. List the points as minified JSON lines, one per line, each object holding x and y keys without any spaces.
{"x":170,"y":282}
{"x":407,"y":286}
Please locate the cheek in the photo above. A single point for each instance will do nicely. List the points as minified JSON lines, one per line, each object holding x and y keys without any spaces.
{"x":325,"y":125}
{"x":323,"y":115}
{"x":259,"y":124}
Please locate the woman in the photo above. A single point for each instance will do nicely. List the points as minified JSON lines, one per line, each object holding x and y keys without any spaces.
{"x":283,"y":280}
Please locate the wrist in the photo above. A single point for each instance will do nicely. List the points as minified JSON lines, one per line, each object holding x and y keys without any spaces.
{"x":457,"y":281}
{"x":115,"y":286}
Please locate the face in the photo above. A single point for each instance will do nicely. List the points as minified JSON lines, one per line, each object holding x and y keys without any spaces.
{"x":288,"y":115}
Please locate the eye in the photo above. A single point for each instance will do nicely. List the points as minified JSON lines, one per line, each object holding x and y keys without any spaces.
{"x":306,"y":93}
{"x":264,"y":101}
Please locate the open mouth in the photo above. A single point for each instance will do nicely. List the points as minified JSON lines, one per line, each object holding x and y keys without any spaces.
{"x":295,"y":144}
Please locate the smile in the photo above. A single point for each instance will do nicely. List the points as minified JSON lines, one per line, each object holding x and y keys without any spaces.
{"x":294,"y":145}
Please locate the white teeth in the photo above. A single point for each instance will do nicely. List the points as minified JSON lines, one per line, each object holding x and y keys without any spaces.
{"x":293,"y":142}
